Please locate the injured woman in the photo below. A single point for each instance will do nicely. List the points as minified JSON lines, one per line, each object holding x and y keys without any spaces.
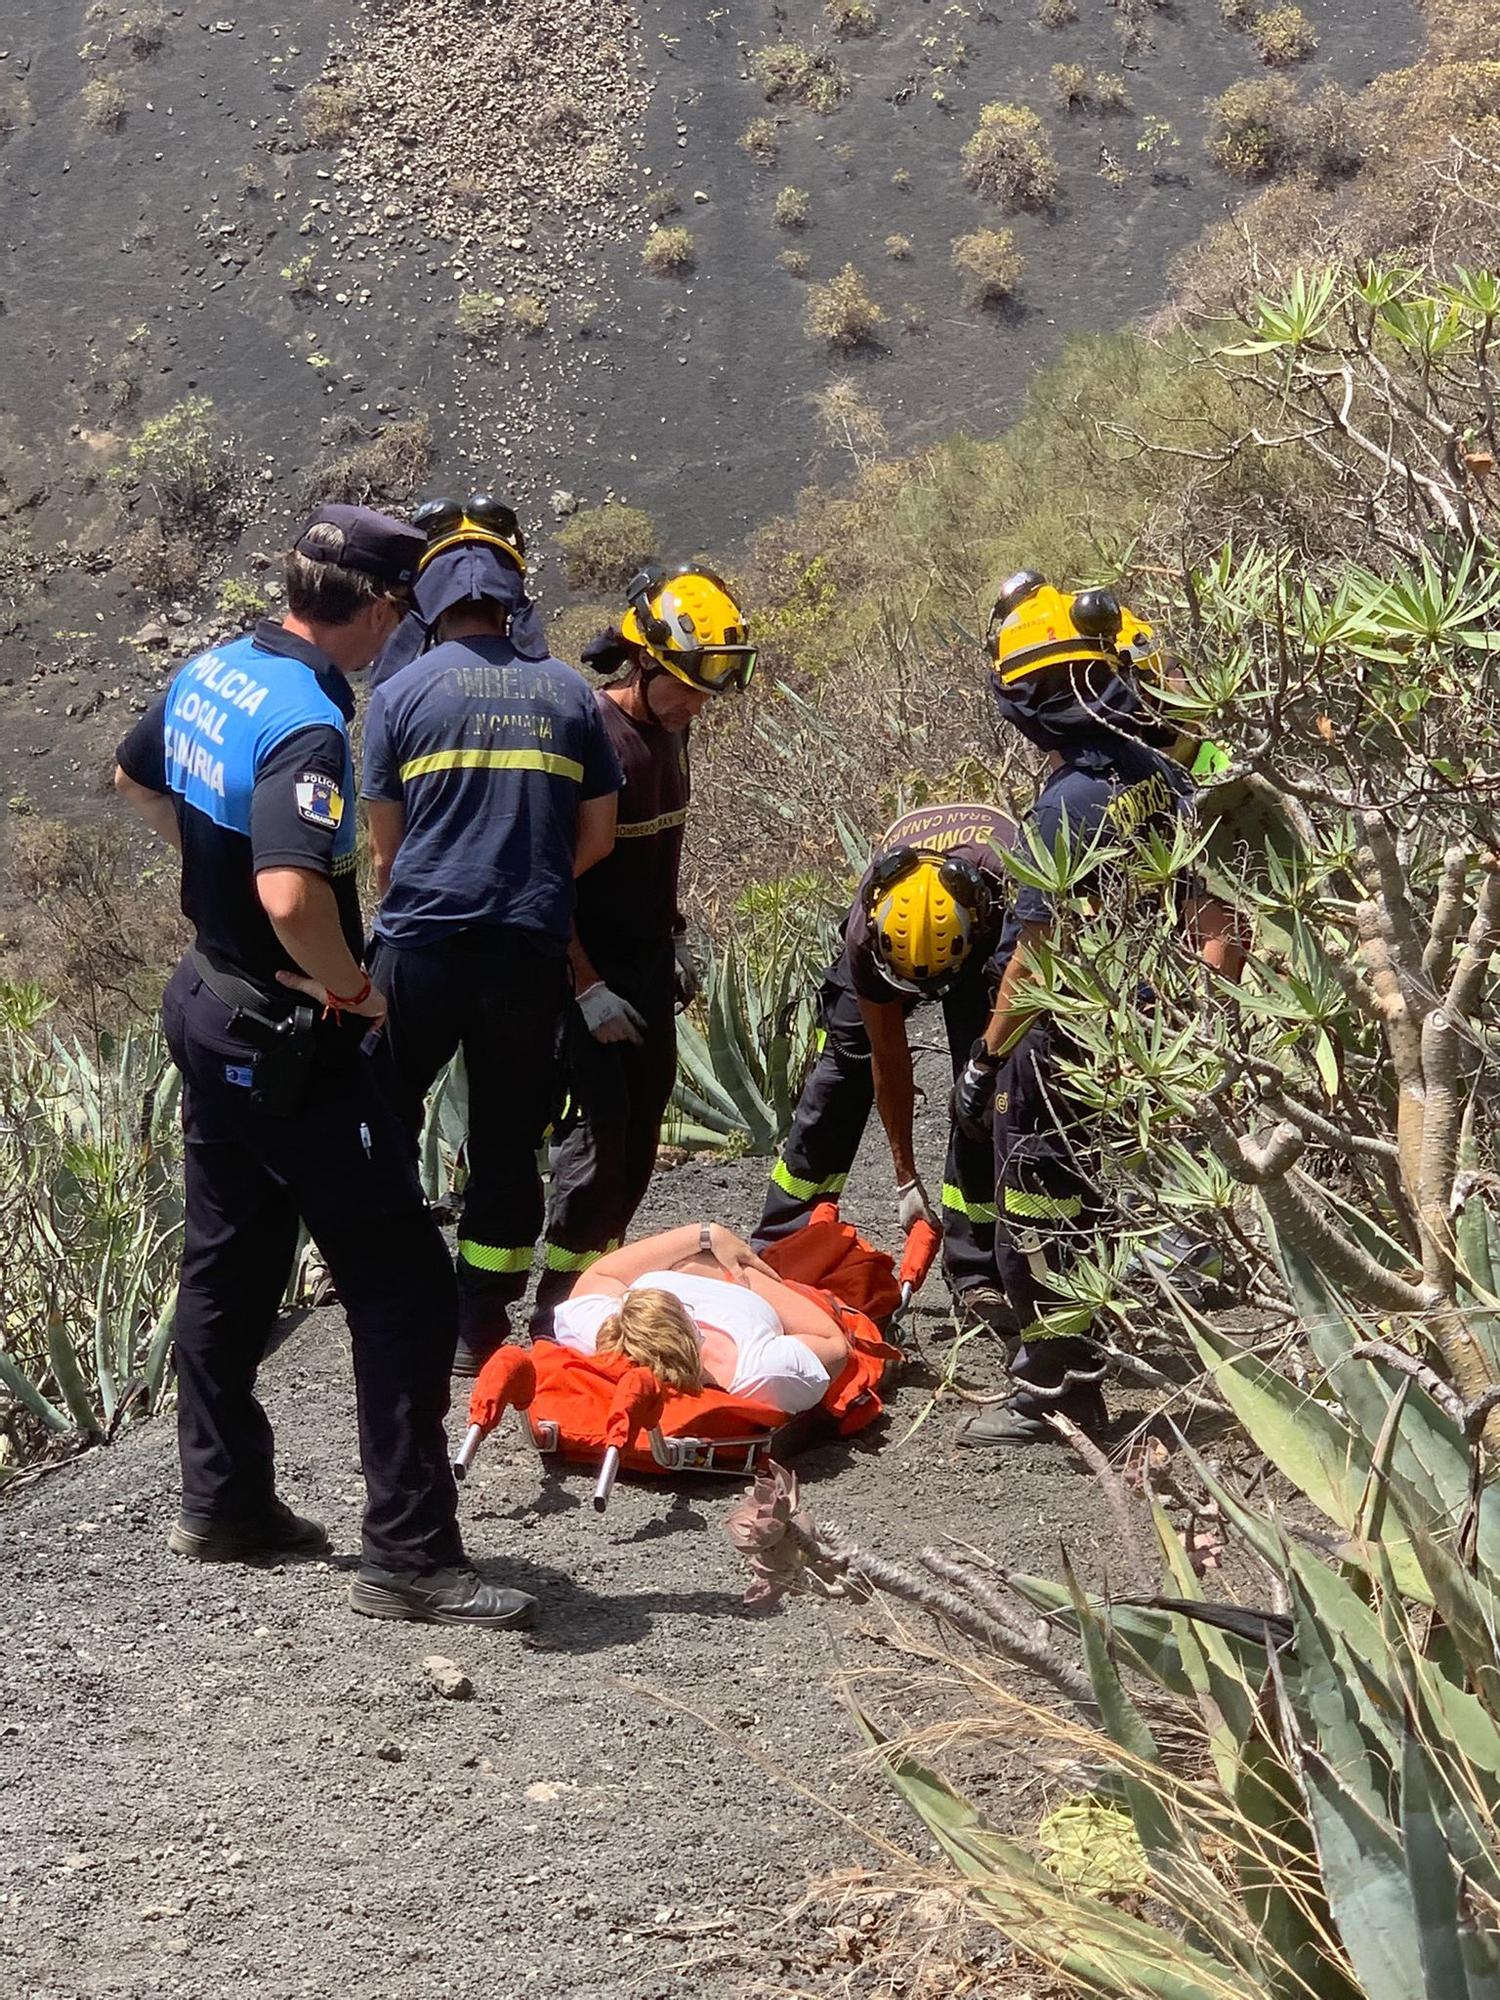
{"x":698,"y":1308}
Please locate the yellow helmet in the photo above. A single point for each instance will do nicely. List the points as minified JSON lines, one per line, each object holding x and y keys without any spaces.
{"x":688,"y":622}
{"x":451,"y":524}
{"x":925,"y":913}
{"x":1034,"y":625}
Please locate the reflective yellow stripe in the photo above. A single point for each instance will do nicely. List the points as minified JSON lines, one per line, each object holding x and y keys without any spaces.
{"x":640,"y":828}
{"x":493,"y":760}
{"x":486,"y":1257}
{"x":1043,"y":1207}
{"x":783,"y":1177}
{"x":976,"y":1211}
{"x":555,"y":1258}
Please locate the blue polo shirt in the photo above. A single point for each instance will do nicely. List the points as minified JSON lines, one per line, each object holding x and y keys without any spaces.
{"x":491,"y":755}
{"x":1096,"y":801}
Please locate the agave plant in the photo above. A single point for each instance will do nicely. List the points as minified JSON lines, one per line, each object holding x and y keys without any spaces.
{"x":1309,"y":1778}
{"x":90,"y":1214}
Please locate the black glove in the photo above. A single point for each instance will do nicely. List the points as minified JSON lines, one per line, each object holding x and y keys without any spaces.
{"x":973,"y":1102}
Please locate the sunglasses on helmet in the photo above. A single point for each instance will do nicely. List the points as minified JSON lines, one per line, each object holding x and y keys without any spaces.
{"x":714,"y":669}
{"x":483,"y":518}
{"x":962,"y":880}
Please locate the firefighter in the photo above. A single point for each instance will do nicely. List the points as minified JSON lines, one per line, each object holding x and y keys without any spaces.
{"x":682,"y":643}
{"x":490,"y":783}
{"x":923,"y":923}
{"x":1067,"y":674}
{"x":244,"y":767}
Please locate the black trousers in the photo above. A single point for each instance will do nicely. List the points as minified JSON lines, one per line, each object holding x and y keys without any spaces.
{"x":1049,"y":1203}
{"x":340,"y":1162}
{"x":502,"y":1001}
{"x":618,"y":1093}
{"x":833,"y":1111}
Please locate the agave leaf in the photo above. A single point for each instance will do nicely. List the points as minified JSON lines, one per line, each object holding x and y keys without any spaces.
{"x":70,"y":1377}
{"x":1331,"y":1623}
{"x":1470,"y":1613}
{"x":1105,"y":1949}
{"x":1365,"y":1877}
{"x":1434,"y":1888}
{"x":1223,"y":1689}
{"x":15,"y":1381}
{"x":103,"y":1361}
{"x":154,"y":1367}
{"x":725,"y":1035}
{"x":1145,"y":1637}
{"x":694,"y":1057}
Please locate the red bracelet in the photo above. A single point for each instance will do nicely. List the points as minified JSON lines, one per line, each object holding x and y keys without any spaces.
{"x":336,"y":1002}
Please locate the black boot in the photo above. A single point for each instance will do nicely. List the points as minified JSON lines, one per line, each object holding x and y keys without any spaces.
{"x":1022,"y":1418}
{"x":472,"y":1352}
{"x":457,"y":1596}
{"x":278,"y":1535}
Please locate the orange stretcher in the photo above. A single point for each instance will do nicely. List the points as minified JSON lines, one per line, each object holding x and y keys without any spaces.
{"x":603,"y":1410}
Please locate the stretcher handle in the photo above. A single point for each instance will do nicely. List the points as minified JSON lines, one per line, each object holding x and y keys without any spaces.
{"x":609,"y":1471}
{"x":923,"y":1241}
{"x":463,"y":1458}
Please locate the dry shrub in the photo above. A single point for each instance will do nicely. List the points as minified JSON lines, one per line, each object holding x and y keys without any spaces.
{"x":1283,"y":36}
{"x":104,"y":104}
{"x":989,"y":264}
{"x":97,"y":929}
{"x":1255,"y":128}
{"x":601,"y":548}
{"x":143,"y":31}
{"x":849,"y":421}
{"x":1271,"y":233}
{"x":1008,"y":159}
{"x":669,"y":253}
{"x":662,"y":203}
{"x":850,"y":18}
{"x":793,"y":206}
{"x":898,"y":248}
{"x":529,"y":314}
{"x":789,"y":72}
{"x":384,"y":468}
{"x":480,"y":317}
{"x":1057,"y":13}
{"x":166,"y":566}
{"x":1070,"y":84}
{"x":562,"y":119}
{"x":1238,"y":13}
{"x":470,"y":190}
{"x":1109,"y":92}
{"x":915,"y":319}
{"x":842,"y":313}
{"x":761,"y":139}
{"x":15,"y":111}
{"x":327,"y":112}
{"x":797,"y":262}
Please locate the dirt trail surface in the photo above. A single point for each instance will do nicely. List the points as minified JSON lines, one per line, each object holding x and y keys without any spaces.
{"x":217,"y":1781}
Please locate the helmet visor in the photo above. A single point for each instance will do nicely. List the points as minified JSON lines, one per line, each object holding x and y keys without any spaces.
{"x":714,"y":669}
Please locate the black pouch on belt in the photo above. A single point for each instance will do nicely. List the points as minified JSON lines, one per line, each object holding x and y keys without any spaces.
{"x":284,"y":1066}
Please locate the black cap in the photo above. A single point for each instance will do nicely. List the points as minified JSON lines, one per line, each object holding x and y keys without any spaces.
{"x":359,"y":538}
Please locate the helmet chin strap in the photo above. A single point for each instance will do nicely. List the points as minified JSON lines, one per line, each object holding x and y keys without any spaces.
{"x":651,"y":670}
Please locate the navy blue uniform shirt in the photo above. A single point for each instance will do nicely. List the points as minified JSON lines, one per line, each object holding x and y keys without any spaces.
{"x":251,"y":744}
{"x":1096,"y":802}
{"x":491,"y":755}
{"x":630,"y":897}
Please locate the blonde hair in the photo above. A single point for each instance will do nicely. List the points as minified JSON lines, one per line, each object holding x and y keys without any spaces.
{"x":656,"y":1330}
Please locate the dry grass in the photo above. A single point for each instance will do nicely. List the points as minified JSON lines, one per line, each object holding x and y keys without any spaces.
{"x":792,"y":73}
{"x":850,"y":19}
{"x":761,"y":139}
{"x":1008,"y":159}
{"x":663,"y":203}
{"x":1283,"y":37}
{"x":529,"y":314}
{"x":1254,"y":129}
{"x":104,"y":104}
{"x":1076,"y":90}
{"x":841,"y":313}
{"x":989,"y":265}
{"x":480,"y":316}
{"x":669,"y":253}
{"x":915,"y":319}
{"x":796,"y":262}
{"x":328,"y":113}
{"x":898,"y":248}
{"x":470,"y":190}
{"x":1238,"y":13}
{"x":601,"y":548}
{"x":385,"y":468}
{"x":143,"y":31}
{"x":1057,"y":13}
{"x":792,"y":209}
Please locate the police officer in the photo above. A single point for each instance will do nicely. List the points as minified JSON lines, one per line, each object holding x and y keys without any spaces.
{"x":1067,"y":675}
{"x":683,"y":641}
{"x":490,"y":783}
{"x":244,"y":767}
{"x":924,"y":920}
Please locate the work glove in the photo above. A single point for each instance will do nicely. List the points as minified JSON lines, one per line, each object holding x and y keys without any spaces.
{"x":609,"y":1018}
{"x":916,"y":1206}
{"x":688,"y":981}
{"x":974,"y":1093}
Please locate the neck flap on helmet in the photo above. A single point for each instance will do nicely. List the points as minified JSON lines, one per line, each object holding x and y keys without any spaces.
{"x":1091,"y":715}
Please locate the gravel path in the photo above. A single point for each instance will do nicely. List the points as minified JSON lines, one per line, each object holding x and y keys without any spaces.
{"x":218,"y":1781}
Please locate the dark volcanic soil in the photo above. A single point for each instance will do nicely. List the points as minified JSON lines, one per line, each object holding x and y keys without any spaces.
{"x":218,"y":1781}
{"x":141,"y":268}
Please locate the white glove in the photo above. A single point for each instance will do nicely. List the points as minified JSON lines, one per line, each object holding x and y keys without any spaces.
{"x":688,"y":978}
{"x":915,"y":1206}
{"x":609,"y":1018}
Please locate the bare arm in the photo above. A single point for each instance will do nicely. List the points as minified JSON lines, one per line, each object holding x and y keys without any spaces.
{"x":804,"y":1319}
{"x":673,"y":1247}
{"x":585,"y":972}
{"x":1010,"y":1020}
{"x":387,"y":819}
{"x":596,"y":831}
{"x":895,"y":1089}
{"x":1219,"y":933}
{"x":155,"y":808}
{"x":305,"y":917}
